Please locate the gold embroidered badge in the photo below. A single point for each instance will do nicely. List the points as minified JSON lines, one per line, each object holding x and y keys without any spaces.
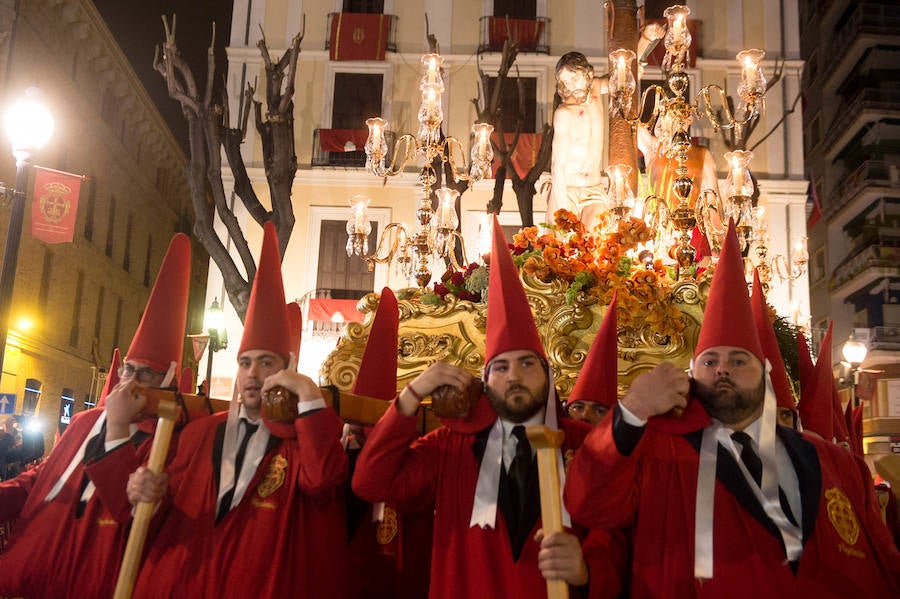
{"x":387,"y":528}
{"x":54,"y":204}
{"x":273,"y":478}
{"x":841,"y":515}
{"x":568,"y":456}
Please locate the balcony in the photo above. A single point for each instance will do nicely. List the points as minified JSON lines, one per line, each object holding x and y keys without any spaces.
{"x":885,"y":338}
{"x":360,"y":36}
{"x":868,"y":105}
{"x":868,"y":266}
{"x":869,"y":20}
{"x":343,"y":147}
{"x":532,"y":34}
{"x":871,"y":173}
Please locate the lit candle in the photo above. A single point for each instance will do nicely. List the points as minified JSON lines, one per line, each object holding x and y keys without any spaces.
{"x":737,"y":178}
{"x":620,"y":72}
{"x":678,"y":25}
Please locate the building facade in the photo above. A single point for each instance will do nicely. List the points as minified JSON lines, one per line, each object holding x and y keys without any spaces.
{"x":334,"y":95}
{"x":86,"y":297}
{"x":851,"y":138}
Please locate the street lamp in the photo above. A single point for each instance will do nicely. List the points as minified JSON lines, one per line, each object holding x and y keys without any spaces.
{"x":214,"y":323}
{"x":854,"y":352}
{"x":29,"y":125}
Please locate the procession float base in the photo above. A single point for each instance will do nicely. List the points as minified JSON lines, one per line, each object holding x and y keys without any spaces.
{"x":453,"y":331}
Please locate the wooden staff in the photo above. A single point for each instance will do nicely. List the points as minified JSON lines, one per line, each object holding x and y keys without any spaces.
{"x":547,"y":442}
{"x":168,"y":412}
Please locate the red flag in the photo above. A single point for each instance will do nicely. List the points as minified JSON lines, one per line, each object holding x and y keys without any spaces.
{"x":816,"y":214}
{"x":358,"y":36}
{"x":868,"y":383}
{"x":54,"y":205}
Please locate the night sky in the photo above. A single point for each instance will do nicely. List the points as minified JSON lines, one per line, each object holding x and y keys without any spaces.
{"x":138,"y":28}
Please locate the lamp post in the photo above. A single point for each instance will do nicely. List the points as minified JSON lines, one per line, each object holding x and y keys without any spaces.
{"x":29,"y":125}
{"x":213,"y":322}
{"x":854,"y":352}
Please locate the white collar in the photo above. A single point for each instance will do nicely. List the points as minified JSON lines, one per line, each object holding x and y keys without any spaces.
{"x":535,"y":420}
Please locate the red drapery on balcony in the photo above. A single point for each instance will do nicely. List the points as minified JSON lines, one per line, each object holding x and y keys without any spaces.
{"x":527,"y":31}
{"x":358,"y":36}
{"x":323,"y":310}
{"x":340,"y":140}
{"x":693,"y":25}
{"x":525,"y":155}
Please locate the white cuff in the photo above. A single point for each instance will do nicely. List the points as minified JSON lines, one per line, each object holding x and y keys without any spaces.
{"x":110,"y":445}
{"x":629,"y":417}
{"x":308,"y":406}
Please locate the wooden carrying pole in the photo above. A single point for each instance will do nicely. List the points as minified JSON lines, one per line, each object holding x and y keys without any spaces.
{"x":168,"y":414}
{"x":547,"y":441}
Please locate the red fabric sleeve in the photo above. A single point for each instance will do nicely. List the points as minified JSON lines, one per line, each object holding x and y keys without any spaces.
{"x":14,"y":493}
{"x":394,"y":466}
{"x":601,"y":484}
{"x":110,"y":475}
{"x":887,"y":553}
{"x":607,"y":556}
{"x":324,"y":465}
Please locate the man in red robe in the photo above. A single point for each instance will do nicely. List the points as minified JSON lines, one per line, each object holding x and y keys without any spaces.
{"x":72,"y":511}
{"x":252,"y":507}
{"x":721,"y":501}
{"x":474,"y":465}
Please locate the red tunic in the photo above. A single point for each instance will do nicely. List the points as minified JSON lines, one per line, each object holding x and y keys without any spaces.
{"x":846,"y":548}
{"x":286,"y":537}
{"x":59,"y":550}
{"x":441,"y":470}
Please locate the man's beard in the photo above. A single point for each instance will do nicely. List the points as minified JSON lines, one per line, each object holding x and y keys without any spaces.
{"x":728,"y":404}
{"x":518,"y":409}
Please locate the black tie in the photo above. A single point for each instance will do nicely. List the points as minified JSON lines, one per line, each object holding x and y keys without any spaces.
{"x":754,"y":466}
{"x":519,"y":469}
{"x":225,"y":505}
{"x":748,"y":456}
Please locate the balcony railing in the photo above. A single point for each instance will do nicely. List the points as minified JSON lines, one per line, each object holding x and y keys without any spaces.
{"x":532,"y":34}
{"x":869,"y":174}
{"x":882,"y":336}
{"x":868,"y":18}
{"x":885,"y":100}
{"x":874,"y":256}
{"x":343,"y":147}
{"x":360,"y":36}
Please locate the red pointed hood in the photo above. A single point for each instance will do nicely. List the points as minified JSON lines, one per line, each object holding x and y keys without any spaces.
{"x":378,"y":369}
{"x":295,"y":321}
{"x":266,"y":325}
{"x":598,"y":378}
{"x":159,"y":339}
{"x":816,"y":403}
{"x":112,"y":377}
{"x":510,"y":324}
{"x":728,"y":318}
{"x":780,"y":382}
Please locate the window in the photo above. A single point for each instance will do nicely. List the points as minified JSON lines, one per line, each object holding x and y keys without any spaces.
{"x":129,"y":230}
{"x":515,"y":9}
{"x":817,"y":266}
{"x":510,"y":106}
{"x":364,"y":6}
{"x":66,"y":408}
{"x":357,"y":97}
{"x":98,"y":315}
{"x":89,"y":211}
{"x":654,"y":9}
{"x":147,"y":262}
{"x":32,"y":396}
{"x":76,"y":310}
{"x":46,"y":274}
{"x":347,"y":277}
{"x":111,"y":227}
{"x":118,"y":325}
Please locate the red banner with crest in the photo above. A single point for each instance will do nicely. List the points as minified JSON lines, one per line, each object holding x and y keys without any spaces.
{"x":54,"y":205}
{"x":358,"y":36}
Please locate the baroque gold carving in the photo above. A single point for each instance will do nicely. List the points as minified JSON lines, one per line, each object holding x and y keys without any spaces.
{"x":454,"y":331}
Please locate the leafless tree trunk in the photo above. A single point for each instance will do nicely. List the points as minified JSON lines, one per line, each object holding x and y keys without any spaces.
{"x":489,"y":110}
{"x":210,"y":133}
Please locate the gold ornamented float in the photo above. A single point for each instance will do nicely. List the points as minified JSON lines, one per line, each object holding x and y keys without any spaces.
{"x":569,"y":276}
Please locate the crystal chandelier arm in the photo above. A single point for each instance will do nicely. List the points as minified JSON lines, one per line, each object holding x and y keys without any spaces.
{"x":456,"y":236}
{"x":635,"y":118}
{"x":730,"y":120}
{"x":709,"y":203}
{"x":395,"y":233}
{"x":458,"y":175}
{"x":409,"y":152}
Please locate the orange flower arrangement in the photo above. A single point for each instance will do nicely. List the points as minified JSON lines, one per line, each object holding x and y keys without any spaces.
{"x":598,"y":264}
